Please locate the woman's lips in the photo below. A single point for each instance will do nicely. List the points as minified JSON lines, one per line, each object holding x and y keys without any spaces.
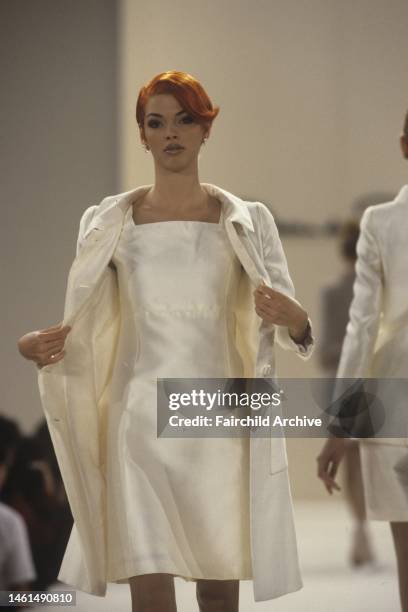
{"x":174,"y":151}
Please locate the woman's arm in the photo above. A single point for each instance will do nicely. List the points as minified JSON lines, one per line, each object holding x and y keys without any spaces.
{"x":293,"y":329}
{"x":361,"y":334}
{"x":86,"y":218}
{"x":46,"y":346}
{"x":366,"y":306}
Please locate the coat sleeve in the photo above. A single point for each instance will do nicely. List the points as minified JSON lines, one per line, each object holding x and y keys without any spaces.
{"x":83,"y":224}
{"x":366,"y":306}
{"x":275,"y":263}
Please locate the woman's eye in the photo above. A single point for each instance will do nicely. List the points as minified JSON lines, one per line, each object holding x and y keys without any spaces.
{"x":153,"y":123}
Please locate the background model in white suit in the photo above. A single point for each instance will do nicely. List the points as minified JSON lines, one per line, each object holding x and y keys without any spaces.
{"x":376,"y":346}
{"x":376,"y":342}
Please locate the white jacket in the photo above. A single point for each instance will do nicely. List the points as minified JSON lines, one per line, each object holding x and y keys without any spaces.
{"x":376,"y":341}
{"x":74,"y":391}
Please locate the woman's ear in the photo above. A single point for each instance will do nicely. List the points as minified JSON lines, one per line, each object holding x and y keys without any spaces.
{"x":142,"y":135}
{"x":206,"y":130}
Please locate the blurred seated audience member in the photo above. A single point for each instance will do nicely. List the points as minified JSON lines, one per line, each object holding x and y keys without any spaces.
{"x":42,"y":436}
{"x":10,"y":437}
{"x":17,"y":571}
{"x":34,"y":489}
{"x":62,"y":515}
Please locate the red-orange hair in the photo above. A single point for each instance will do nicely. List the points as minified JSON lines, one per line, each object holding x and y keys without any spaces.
{"x":189,"y":93}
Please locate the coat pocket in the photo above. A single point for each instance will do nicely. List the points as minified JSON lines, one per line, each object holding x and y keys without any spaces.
{"x":278,"y":459}
{"x":51,"y":386}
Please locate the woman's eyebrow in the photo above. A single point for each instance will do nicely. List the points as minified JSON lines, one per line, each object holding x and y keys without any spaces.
{"x":159,"y":115}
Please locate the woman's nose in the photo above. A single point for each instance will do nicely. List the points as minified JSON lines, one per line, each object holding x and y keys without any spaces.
{"x":171,"y":131}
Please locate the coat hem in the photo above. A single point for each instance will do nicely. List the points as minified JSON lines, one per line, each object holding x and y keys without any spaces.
{"x":281,"y":593}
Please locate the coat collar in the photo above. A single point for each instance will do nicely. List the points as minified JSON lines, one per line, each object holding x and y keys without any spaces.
{"x":86,"y":271}
{"x":113,"y":208}
{"x":402,"y":195}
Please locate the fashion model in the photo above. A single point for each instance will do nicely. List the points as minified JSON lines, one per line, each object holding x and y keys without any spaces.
{"x":376,"y":346}
{"x":172,"y":280}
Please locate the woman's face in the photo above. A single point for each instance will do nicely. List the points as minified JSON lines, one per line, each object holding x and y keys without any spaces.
{"x":167,"y":123}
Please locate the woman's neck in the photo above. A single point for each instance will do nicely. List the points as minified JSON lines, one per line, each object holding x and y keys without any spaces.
{"x":177,"y":192}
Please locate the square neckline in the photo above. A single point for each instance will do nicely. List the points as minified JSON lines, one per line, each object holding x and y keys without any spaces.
{"x":171,"y":221}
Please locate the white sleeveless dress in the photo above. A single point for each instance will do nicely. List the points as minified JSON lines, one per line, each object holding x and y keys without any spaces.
{"x":189,"y":514}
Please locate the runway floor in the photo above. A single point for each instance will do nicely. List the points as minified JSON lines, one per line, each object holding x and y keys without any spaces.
{"x":330,"y":584}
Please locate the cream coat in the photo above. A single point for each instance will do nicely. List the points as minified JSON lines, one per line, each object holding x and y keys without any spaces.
{"x":74,"y":391}
{"x":376,"y":341}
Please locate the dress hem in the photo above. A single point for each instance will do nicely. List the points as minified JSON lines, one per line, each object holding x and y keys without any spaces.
{"x":125,"y":578}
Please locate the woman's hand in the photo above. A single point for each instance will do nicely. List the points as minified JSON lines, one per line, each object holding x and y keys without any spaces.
{"x":44,"y":346}
{"x":275,"y":307}
{"x":329,"y":460}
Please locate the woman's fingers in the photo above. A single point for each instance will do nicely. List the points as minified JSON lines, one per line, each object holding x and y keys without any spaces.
{"x":46,"y":353}
{"x":269,"y":312}
{"x":50,"y":343}
{"x":329,"y":479}
{"x":57,"y":357}
{"x":327,"y":470}
{"x":48,"y":359}
{"x":267,"y":291}
{"x":51,"y":327}
{"x":39,"y":345}
{"x":331,"y":484}
{"x":333,"y":469}
{"x":54,"y":346}
{"x":51,"y":334}
{"x":273,"y":306}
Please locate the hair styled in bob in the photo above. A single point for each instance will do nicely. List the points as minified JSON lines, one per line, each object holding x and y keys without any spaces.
{"x":189,"y":92}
